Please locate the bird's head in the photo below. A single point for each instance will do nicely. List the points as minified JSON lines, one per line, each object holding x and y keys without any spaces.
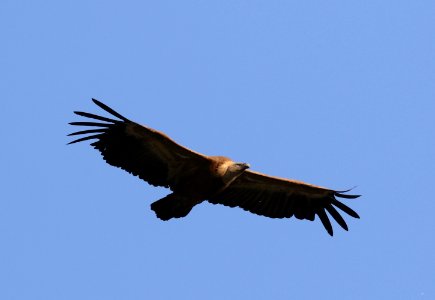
{"x":238,"y":167}
{"x":234,"y":170}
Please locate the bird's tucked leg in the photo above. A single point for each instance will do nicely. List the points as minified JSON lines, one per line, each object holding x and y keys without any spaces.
{"x":172,"y":206}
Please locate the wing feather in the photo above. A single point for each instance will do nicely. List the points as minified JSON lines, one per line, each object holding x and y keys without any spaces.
{"x":325,"y":221}
{"x":89,"y":137}
{"x":139,"y":150}
{"x":110,"y":111}
{"x":344,"y":208}
{"x":337,"y":217}
{"x":87,"y":131}
{"x":283,"y":198}
{"x":90,"y":124}
{"x":96,"y":117}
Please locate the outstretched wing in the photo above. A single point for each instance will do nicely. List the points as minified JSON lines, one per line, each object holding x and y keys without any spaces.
{"x":137,"y":149}
{"x":282,"y":198}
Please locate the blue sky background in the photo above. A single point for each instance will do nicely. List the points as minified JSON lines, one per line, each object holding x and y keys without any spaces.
{"x":335,"y":93}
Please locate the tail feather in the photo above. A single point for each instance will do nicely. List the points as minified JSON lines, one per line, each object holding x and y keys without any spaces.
{"x":172,"y":206}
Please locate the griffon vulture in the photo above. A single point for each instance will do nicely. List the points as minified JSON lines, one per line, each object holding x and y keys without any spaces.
{"x":194,"y":178}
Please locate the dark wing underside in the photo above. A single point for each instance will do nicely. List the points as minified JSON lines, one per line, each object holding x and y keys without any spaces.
{"x":139,"y":150}
{"x":281,"y":198}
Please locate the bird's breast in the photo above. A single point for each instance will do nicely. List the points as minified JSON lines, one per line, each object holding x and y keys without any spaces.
{"x":198,"y":183}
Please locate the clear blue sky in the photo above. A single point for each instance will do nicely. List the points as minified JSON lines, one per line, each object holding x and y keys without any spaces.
{"x":335,"y":93}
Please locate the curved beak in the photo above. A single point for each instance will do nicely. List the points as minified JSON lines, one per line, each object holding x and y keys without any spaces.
{"x":244,"y":166}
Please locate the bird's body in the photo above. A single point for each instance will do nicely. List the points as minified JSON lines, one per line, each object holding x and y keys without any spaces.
{"x":194,"y":177}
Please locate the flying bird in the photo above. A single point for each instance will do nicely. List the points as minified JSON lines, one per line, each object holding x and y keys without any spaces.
{"x":194,"y":178}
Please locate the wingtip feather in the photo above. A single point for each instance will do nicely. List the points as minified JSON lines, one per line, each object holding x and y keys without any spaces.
{"x":96,"y":117}
{"x":96,"y":136}
{"x":90,"y":124}
{"x":325,"y":221}
{"x":337,"y":217}
{"x":102,"y":130}
{"x":340,"y":195}
{"x":110,"y":110}
{"x":345,"y":208}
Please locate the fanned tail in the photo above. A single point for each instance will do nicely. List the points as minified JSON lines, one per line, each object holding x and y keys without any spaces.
{"x":172,"y":206}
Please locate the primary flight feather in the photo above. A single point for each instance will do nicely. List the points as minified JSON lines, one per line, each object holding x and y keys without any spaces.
{"x":194,"y":178}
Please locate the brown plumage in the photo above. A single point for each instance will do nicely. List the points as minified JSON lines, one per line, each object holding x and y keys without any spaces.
{"x":194,"y":177}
